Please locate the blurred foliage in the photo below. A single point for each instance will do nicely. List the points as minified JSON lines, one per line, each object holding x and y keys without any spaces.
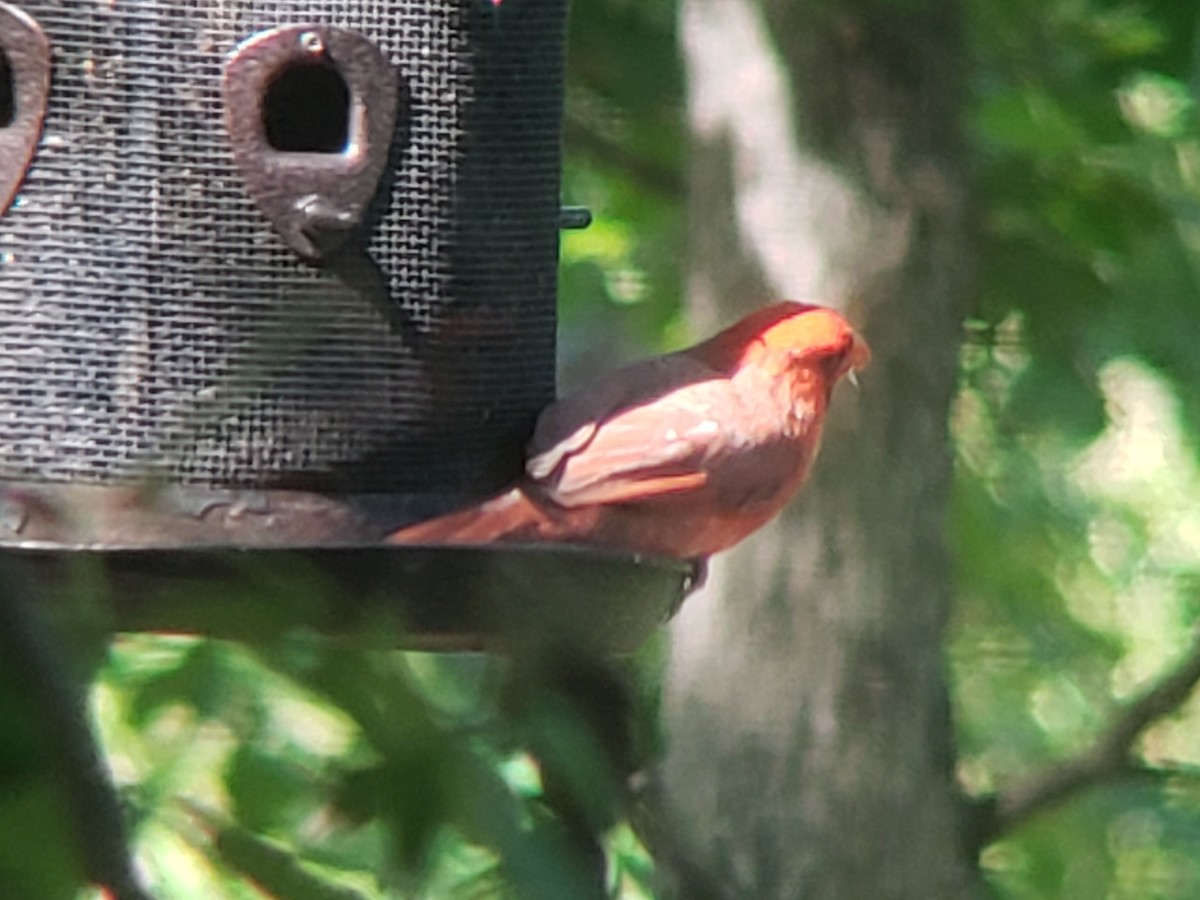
{"x":1074,"y":523}
{"x":307,"y":770}
{"x":621,"y":280}
{"x":300,"y":769}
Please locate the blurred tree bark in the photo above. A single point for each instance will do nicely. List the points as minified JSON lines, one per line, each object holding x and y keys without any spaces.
{"x":810,"y":745}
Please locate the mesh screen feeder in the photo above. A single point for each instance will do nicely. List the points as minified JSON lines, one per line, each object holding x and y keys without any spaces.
{"x":276,"y":277}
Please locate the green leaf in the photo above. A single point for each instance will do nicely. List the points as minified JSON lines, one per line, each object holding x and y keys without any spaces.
{"x":268,"y":790}
{"x":275,"y":869}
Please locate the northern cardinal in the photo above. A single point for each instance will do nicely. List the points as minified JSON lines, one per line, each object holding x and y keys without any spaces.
{"x":680,"y":456}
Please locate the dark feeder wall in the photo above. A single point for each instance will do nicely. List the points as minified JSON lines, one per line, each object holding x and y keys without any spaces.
{"x":156,"y":324}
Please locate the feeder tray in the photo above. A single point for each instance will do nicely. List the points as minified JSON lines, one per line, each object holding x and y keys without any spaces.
{"x":421,"y":598}
{"x":257,"y":564}
{"x":276,"y":278}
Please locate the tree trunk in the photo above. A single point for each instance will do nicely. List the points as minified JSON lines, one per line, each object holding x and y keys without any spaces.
{"x":809,"y":736}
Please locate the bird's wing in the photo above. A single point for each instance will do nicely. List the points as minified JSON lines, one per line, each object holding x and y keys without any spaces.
{"x":646,"y":435}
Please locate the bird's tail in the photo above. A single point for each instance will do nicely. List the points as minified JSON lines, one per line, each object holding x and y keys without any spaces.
{"x":512,"y":516}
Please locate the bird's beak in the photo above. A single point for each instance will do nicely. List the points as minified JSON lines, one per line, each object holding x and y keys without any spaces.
{"x":858,"y":358}
{"x":860,"y":353}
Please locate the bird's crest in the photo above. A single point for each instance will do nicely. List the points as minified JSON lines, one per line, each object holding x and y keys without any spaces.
{"x":816,"y":331}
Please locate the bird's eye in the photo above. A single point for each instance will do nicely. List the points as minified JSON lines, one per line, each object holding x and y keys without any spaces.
{"x":834,"y":364}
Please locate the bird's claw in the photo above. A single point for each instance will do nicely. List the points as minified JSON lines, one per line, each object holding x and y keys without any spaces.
{"x":694,"y":580}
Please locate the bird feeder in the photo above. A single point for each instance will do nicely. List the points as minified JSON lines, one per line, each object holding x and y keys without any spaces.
{"x":276,"y":277}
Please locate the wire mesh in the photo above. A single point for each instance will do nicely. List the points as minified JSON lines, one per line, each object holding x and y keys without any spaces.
{"x":154,"y":325}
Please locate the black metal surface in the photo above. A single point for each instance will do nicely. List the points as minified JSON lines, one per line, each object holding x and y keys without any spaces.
{"x":445,"y":598}
{"x":312,"y":176}
{"x":155,"y":326}
{"x":25,"y":65}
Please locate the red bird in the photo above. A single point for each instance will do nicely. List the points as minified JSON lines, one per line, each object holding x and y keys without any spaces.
{"x":679,"y":456}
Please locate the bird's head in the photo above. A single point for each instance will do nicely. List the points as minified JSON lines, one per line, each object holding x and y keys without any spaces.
{"x":802,"y":335}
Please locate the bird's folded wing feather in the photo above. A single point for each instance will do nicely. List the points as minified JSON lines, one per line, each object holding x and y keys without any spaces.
{"x":644,"y":447}
{"x":567,"y":426}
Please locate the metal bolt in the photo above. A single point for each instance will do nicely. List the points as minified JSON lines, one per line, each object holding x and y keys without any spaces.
{"x":574,"y":217}
{"x":311,"y":42}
